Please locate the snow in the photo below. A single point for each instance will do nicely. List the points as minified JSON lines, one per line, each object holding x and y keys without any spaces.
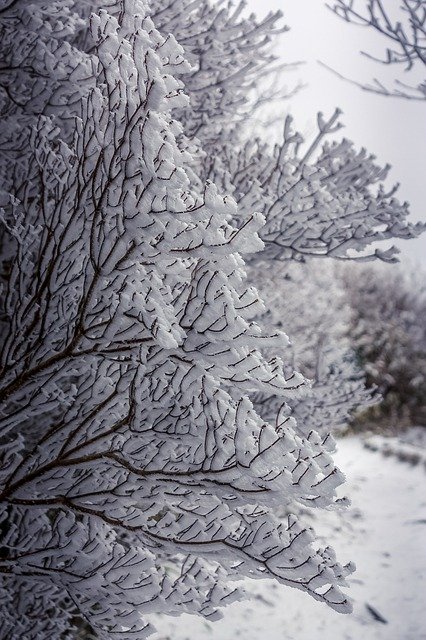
{"x":383,"y":532}
{"x":409,"y":447}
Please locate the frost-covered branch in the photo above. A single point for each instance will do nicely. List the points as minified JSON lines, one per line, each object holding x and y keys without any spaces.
{"x":322,"y":199}
{"x":405,"y":32}
{"x":128,"y":439}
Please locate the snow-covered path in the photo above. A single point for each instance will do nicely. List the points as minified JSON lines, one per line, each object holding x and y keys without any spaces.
{"x":384,"y":532}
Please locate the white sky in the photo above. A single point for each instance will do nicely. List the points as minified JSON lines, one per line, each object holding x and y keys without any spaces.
{"x":392,"y":129}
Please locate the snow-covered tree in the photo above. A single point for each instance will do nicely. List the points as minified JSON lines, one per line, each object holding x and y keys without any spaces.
{"x":129,"y":352}
{"x":229,"y":52}
{"x":388,"y":331}
{"x":136,"y":476}
{"x":41,"y":74}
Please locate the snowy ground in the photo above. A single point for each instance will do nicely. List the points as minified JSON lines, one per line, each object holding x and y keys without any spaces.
{"x":384,"y":532}
{"x":409,"y":447}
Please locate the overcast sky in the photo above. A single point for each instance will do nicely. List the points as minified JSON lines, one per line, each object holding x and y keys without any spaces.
{"x":391,"y":128}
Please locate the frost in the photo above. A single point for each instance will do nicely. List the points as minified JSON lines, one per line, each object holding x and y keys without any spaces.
{"x":137,"y":474}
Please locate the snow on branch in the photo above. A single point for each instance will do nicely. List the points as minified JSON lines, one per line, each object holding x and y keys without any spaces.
{"x":320,"y":198}
{"x":324,"y":199}
{"x":136,"y":476}
{"x":405,"y":33}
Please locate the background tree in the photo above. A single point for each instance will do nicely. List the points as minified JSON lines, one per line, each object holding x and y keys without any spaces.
{"x":404,"y":29}
{"x":388,"y":331}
